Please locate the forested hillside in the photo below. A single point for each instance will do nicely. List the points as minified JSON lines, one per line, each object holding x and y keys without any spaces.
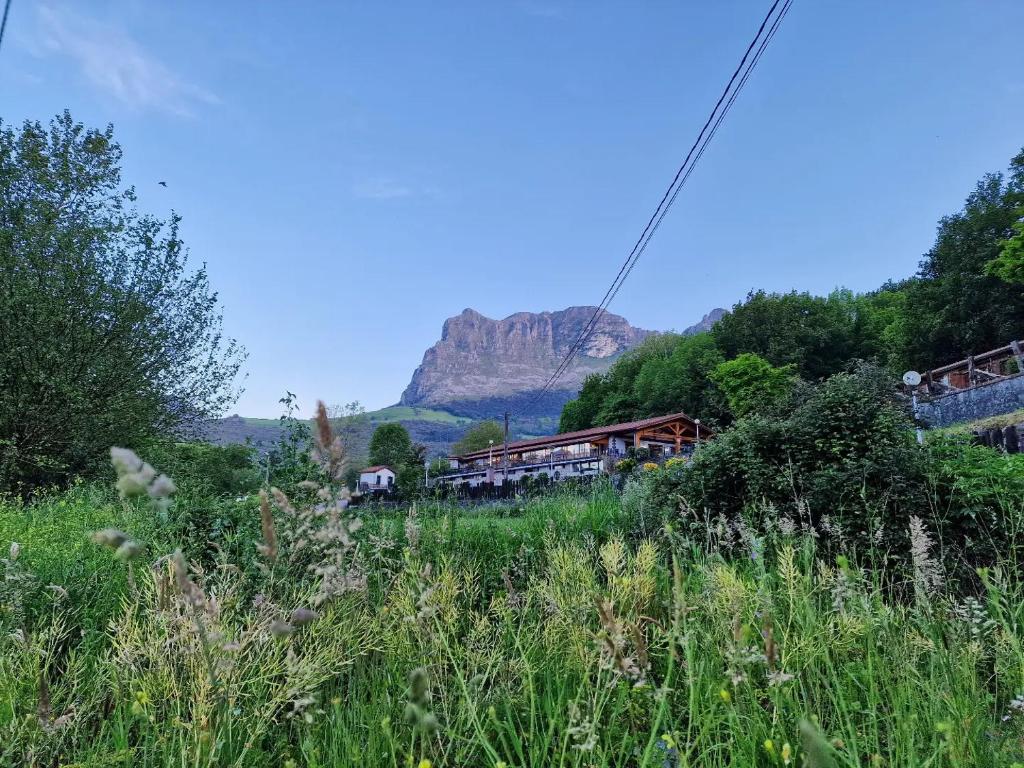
{"x":966,"y":298}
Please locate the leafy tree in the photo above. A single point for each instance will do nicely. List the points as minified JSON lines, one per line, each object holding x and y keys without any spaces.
{"x":478,"y":437}
{"x":106,"y":334}
{"x":751,"y":383}
{"x":581,"y":413}
{"x":409,"y":481}
{"x":1009,"y":264}
{"x":204,"y":469}
{"x":391,"y":446}
{"x":813,"y":333}
{"x":880,"y":327}
{"x":439,"y":466}
{"x":958,"y":307}
{"x":665,"y":374}
{"x":680,"y":381}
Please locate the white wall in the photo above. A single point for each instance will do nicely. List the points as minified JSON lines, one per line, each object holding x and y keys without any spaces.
{"x":371,"y":477}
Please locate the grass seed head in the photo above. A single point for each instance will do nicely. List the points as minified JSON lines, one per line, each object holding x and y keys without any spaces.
{"x":110,"y":537}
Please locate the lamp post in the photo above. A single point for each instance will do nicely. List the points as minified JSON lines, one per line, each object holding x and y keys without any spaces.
{"x":697,"y":422}
{"x":490,"y":452}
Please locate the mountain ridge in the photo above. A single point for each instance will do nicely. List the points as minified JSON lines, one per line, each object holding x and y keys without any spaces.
{"x":478,"y":358}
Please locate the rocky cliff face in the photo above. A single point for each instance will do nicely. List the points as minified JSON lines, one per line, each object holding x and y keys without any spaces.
{"x":480,"y":361}
{"x":706,"y":322}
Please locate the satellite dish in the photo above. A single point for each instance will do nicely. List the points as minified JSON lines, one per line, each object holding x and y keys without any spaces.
{"x":911,"y":378}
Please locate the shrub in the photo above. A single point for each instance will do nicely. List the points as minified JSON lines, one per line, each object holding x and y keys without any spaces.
{"x":203,"y":469}
{"x":839,"y":459}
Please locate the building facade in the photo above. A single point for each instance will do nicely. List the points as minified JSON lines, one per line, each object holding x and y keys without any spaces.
{"x":586,"y":453}
{"x":379,"y":479}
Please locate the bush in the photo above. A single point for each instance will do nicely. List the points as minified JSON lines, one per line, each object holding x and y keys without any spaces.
{"x":839,"y":459}
{"x":203,"y":469}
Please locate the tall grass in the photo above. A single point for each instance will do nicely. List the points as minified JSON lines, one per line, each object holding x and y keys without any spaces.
{"x":535,"y":637}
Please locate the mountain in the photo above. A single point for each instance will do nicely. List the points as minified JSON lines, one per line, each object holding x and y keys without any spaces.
{"x":479,"y":369}
{"x":482,"y":367}
{"x":706,"y":322}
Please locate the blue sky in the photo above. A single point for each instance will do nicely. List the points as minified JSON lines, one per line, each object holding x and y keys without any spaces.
{"x":354,"y":173}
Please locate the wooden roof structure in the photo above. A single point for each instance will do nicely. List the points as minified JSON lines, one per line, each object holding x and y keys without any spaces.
{"x":675,"y":427}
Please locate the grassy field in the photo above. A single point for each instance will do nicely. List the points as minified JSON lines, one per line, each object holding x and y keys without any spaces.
{"x":385,"y":415}
{"x":410,"y":413}
{"x":523,"y":636}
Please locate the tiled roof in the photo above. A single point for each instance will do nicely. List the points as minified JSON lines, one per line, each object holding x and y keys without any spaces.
{"x":375,"y":469}
{"x":567,"y":438}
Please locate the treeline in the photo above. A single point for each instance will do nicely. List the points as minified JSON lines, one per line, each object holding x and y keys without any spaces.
{"x":966,"y":298}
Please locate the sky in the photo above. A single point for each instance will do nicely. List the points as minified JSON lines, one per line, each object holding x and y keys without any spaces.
{"x":354,"y":173}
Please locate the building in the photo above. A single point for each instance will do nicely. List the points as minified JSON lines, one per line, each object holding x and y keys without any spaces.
{"x":586,"y":453}
{"x":379,"y":479}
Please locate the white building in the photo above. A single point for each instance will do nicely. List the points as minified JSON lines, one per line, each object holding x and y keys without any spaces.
{"x":379,"y":479}
{"x":585,"y":453}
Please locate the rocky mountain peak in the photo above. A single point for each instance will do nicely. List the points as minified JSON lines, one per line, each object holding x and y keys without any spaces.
{"x":479,"y":359}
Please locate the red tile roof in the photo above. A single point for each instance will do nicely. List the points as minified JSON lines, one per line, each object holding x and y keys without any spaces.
{"x":375,"y":469}
{"x":567,"y":438}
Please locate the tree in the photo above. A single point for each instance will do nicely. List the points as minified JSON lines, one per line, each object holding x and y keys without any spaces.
{"x":391,"y":445}
{"x":1009,"y":264}
{"x":106,"y":334}
{"x":752,"y":384}
{"x":958,"y":307}
{"x":581,"y":413}
{"x":479,"y":436}
{"x":813,"y":333}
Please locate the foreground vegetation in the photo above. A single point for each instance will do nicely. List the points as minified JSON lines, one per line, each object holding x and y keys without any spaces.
{"x":286,"y":632}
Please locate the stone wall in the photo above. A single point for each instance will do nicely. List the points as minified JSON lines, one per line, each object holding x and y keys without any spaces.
{"x":991,"y":399}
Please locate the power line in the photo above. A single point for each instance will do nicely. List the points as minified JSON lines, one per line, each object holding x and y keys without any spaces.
{"x":680,"y":178}
{"x":728,"y":96}
{"x":3,"y":24}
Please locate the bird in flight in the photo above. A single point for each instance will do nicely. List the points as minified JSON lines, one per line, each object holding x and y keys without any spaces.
{"x":162,"y":183}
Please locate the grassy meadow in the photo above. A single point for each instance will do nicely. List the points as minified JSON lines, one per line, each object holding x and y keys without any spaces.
{"x":546,"y":634}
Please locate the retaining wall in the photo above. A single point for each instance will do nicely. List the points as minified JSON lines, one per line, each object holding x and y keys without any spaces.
{"x":993,"y":398}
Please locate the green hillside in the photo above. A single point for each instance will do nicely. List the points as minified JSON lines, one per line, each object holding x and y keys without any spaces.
{"x":411,"y":413}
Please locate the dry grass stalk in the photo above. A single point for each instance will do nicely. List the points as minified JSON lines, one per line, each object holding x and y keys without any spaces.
{"x":269,"y":547}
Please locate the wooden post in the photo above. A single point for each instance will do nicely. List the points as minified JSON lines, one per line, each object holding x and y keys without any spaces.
{"x":504,"y":474}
